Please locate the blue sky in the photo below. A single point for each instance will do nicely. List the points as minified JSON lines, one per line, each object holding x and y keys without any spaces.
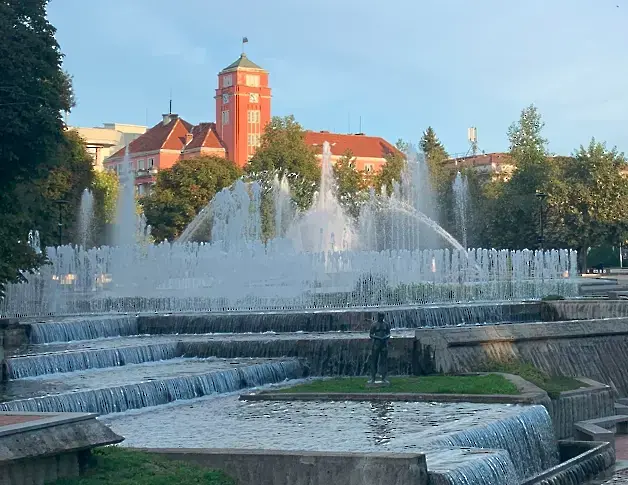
{"x":400,"y":65}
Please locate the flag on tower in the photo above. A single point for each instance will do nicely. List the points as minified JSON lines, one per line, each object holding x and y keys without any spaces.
{"x":245,"y":40}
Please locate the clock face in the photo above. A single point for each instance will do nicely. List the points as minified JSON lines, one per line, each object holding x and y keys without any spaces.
{"x":253,"y":97}
{"x":225,"y":98}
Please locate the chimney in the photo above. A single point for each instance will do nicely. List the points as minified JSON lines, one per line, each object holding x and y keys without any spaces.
{"x":168,"y":117}
{"x":188,"y":138}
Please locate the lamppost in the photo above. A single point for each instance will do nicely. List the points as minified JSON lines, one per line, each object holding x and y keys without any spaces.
{"x":60,"y":203}
{"x":541,"y":196}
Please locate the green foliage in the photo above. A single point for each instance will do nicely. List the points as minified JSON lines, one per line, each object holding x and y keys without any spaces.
{"x":34,"y":90}
{"x":437,"y":384}
{"x":350,"y":184}
{"x":183,"y":190}
{"x":591,"y":204}
{"x":105,"y":187}
{"x":435,"y":155}
{"x":553,"y":385}
{"x":395,"y":164}
{"x":113,"y":465}
{"x":515,"y":199}
{"x":283,"y":149}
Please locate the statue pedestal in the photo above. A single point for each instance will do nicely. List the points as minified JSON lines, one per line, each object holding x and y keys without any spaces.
{"x":378,"y":384}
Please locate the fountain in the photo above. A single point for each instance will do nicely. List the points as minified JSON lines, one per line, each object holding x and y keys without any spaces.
{"x":86,"y":219}
{"x":315,"y":259}
{"x":461,"y":205}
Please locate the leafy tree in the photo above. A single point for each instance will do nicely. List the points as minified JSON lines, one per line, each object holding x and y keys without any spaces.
{"x":183,"y":190}
{"x":350,"y":184}
{"x":283,"y":149}
{"x":392,"y":169}
{"x":591,"y":203}
{"x":105,"y":188}
{"x":33,"y":92}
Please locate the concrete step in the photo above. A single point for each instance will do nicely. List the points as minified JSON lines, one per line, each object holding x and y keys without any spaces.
{"x":621,"y":408}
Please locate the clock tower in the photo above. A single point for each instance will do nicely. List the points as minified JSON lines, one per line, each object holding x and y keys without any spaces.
{"x":242,"y":108}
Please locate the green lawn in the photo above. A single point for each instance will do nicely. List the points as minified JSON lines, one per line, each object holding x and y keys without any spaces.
{"x":485,"y":384}
{"x":553,"y":385}
{"x":117,"y":466}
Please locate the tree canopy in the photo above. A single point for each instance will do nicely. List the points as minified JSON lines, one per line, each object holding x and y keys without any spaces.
{"x":183,"y":190}
{"x":34,"y":91}
{"x":283,"y":149}
{"x":350,"y":184}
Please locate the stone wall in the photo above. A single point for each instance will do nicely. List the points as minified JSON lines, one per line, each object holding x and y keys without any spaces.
{"x":597,"y":349}
{"x":323,"y":357}
{"x":258,"y":467}
{"x":583,"y":309}
{"x":53,"y":447}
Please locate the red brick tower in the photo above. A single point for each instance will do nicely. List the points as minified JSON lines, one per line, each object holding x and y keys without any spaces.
{"x":242,"y":108}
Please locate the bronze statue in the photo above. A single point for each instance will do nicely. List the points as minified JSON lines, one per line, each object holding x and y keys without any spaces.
{"x":380,"y":334}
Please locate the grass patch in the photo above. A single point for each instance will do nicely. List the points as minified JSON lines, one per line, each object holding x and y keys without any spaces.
{"x":439,"y":384}
{"x":117,"y":466}
{"x":553,"y":385}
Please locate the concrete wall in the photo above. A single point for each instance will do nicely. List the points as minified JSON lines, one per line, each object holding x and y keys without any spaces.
{"x":597,"y":349}
{"x":44,"y":450}
{"x":323,"y":357}
{"x":583,"y":309}
{"x":259,"y":467}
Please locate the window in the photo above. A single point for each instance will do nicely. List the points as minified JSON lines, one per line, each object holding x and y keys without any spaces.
{"x":252,"y":80}
{"x":227,"y":81}
{"x":254,"y":140}
{"x":225,"y":117}
{"x":151,"y":163}
{"x":253,"y":116}
{"x":140,"y":164}
{"x":368,"y":167}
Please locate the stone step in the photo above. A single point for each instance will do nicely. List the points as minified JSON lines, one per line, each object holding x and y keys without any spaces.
{"x":621,"y":408}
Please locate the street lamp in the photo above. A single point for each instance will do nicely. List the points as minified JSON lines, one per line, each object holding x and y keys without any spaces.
{"x":541,"y":196}
{"x":60,"y":203}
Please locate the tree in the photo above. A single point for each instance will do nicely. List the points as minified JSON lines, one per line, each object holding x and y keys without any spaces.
{"x":183,"y":190}
{"x":34,"y":90}
{"x":283,"y":149}
{"x":392,"y":170}
{"x":591,"y":203}
{"x":350,"y":184}
{"x":515,"y":200}
{"x":105,"y":188}
{"x":435,"y":155}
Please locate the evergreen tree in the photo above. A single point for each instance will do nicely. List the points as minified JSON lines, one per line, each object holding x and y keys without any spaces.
{"x":435,"y":155}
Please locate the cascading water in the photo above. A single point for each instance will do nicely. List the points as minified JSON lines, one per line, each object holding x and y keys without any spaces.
{"x":86,"y":219}
{"x":461,"y":205}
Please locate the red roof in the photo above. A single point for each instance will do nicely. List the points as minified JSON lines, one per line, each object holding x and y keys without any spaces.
{"x":360,"y":145}
{"x":170,"y":136}
{"x":204,"y":135}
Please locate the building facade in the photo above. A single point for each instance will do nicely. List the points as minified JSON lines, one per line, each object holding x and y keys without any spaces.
{"x":494,"y":165}
{"x":243,"y":109}
{"x":102,"y":142}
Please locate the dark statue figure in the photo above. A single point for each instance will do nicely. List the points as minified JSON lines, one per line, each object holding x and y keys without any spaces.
{"x":380,"y":334}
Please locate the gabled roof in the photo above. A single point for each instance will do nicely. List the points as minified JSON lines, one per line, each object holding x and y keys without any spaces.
{"x":360,"y":145}
{"x":170,"y":136}
{"x":242,"y":62}
{"x":204,"y":135}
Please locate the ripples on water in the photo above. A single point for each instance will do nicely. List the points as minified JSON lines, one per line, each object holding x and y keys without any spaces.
{"x":339,"y":426}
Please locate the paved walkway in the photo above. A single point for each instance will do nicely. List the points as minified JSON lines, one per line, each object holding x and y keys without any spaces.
{"x":8,"y":419}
